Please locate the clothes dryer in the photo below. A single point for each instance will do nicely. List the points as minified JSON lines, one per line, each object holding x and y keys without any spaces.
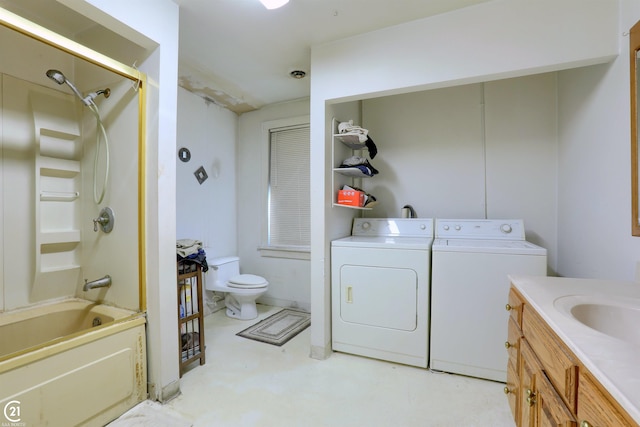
{"x":471,"y":261}
{"x":380,"y":289}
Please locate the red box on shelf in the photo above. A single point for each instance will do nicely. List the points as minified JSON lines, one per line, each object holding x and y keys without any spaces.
{"x":351,"y":198}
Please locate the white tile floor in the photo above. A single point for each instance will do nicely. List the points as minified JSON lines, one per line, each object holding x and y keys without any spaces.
{"x":247,"y":383}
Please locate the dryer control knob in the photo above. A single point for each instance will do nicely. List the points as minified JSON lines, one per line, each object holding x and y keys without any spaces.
{"x":366,"y":225}
{"x":446,"y":227}
{"x":423,"y":227}
{"x":506,"y":228}
{"x":458,"y":227}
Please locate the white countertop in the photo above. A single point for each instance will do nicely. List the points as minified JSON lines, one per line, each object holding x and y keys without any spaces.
{"x":614,"y":362}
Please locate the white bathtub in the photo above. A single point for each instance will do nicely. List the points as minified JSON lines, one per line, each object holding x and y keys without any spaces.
{"x":57,"y":369}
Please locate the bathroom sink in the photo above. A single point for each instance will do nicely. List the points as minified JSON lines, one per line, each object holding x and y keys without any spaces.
{"x":616,"y":317}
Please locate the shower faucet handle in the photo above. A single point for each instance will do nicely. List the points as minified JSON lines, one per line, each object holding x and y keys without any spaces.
{"x":102,"y":221}
{"x":106,"y":220}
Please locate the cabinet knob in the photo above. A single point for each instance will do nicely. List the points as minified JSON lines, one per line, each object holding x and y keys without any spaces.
{"x":506,"y":390}
{"x":508,"y":307}
{"x":585,"y":423}
{"x":531,"y":398}
{"x":507,"y":345}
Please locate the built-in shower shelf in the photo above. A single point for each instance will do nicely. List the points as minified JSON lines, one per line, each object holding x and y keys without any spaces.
{"x":59,"y":134}
{"x":57,"y":182}
{"x":61,"y":268}
{"x":61,"y":168}
{"x":53,"y":237}
{"x":58,"y":196}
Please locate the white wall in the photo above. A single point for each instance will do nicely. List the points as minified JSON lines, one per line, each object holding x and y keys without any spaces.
{"x":288,"y":278}
{"x":226,"y":211}
{"x":522,"y":156}
{"x":207,"y":212}
{"x":490,"y":41}
{"x":473,"y":151}
{"x":430,"y":152}
{"x":154,"y":25}
{"x":594,"y":196}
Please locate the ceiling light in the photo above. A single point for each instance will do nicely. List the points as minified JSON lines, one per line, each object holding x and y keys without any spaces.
{"x":273,"y":4}
{"x":297,"y":74}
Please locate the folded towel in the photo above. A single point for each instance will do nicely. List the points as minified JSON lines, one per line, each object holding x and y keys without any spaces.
{"x":186,"y":247}
{"x":347,"y":128}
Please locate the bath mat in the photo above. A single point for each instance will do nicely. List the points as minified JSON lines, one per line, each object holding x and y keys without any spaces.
{"x":278,"y":328}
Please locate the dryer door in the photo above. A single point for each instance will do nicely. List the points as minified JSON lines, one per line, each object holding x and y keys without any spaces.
{"x":379,"y":296}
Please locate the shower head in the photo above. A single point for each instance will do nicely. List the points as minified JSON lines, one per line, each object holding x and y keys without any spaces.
{"x":56,"y":76}
{"x":59,"y":78}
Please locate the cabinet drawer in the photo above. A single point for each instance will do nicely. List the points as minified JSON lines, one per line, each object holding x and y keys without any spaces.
{"x":512,"y":391}
{"x":513,"y":344}
{"x":514,"y":306}
{"x":596,"y":407}
{"x":560,"y":366}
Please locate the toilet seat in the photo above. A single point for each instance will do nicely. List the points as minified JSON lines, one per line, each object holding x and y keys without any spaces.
{"x":247,"y":281}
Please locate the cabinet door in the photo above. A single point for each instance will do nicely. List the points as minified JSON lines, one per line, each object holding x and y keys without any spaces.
{"x":595,"y":407}
{"x":541,"y":406}
{"x":549,"y":407}
{"x":528,"y":367}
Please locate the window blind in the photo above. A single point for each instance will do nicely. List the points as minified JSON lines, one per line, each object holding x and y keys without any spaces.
{"x":289,"y":187}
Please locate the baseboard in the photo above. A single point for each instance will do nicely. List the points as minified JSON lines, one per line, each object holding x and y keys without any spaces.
{"x":277,"y":302}
{"x":320,"y":353}
{"x":167,"y":393}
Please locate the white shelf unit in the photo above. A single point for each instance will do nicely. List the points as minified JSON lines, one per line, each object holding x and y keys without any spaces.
{"x":57,"y":193}
{"x":343,"y":146}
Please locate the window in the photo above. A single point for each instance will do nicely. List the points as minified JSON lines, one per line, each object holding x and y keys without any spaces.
{"x":288,"y":202}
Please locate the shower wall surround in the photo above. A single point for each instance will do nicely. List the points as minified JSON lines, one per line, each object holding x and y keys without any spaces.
{"x":48,"y":143}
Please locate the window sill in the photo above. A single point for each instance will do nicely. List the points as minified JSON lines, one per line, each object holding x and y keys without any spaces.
{"x":291,"y":252}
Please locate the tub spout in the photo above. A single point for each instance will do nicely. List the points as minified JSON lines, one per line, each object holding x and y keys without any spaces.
{"x":104,"y":282}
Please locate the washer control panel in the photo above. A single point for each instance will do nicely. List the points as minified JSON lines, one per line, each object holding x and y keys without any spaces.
{"x":506,"y":229}
{"x":407,"y":227}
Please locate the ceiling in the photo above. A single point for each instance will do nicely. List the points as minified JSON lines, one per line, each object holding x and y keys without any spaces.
{"x":238,"y":54}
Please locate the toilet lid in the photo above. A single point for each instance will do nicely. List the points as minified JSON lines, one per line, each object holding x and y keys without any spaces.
{"x":247,"y":281}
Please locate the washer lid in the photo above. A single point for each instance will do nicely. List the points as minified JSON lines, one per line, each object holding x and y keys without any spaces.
{"x":495,"y":246}
{"x":386,"y":242}
{"x":247,"y":281}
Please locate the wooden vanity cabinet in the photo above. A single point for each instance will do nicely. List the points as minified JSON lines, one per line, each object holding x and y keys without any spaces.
{"x":546,"y":383}
{"x":544,"y":376}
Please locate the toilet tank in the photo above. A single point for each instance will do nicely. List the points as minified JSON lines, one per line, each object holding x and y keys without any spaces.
{"x":221,"y":270}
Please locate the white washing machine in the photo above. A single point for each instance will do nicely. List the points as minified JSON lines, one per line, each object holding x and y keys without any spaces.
{"x":380,"y":289}
{"x":471,"y":261}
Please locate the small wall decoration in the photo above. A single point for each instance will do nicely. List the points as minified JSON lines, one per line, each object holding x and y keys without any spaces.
{"x":201,"y":175}
{"x":184,"y":154}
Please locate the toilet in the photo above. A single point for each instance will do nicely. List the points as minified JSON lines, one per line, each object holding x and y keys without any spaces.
{"x":241,"y":290}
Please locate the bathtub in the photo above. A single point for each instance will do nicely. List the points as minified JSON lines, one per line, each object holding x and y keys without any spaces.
{"x":72,"y":362}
